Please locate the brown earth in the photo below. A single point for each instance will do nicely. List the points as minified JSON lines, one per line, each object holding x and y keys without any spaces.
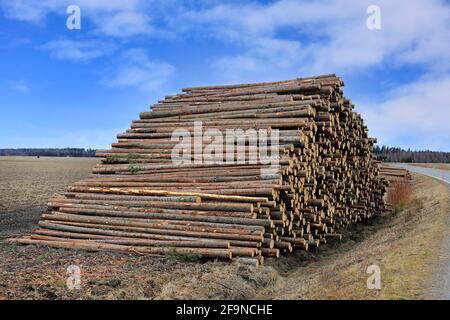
{"x":403,"y":245}
{"x":26,"y":184}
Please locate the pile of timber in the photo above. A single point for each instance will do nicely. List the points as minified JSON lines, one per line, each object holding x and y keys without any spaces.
{"x":139,"y":200}
{"x":392,"y":173}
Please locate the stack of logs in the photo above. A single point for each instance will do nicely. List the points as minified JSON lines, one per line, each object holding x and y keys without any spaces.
{"x":139,"y":200}
{"x":392,"y":173}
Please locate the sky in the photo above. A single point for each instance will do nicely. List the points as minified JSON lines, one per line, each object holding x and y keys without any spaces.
{"x":62,"y":87}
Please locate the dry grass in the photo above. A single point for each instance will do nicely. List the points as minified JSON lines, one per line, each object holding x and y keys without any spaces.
{"x":399,"y":194}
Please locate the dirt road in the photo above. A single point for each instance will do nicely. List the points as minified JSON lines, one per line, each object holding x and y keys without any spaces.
{"x":439,"y":287}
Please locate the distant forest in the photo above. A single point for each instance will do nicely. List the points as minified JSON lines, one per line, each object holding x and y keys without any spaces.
{"x":386,"y":154}
{"x":389,"y":154}
{"x":47,"y":152}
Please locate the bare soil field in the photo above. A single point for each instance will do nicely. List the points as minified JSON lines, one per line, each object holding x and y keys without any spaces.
{"x":404,"y":245}
{"x":26,"y":184}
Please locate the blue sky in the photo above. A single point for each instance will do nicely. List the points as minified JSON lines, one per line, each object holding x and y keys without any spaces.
{"x":79,"y":88}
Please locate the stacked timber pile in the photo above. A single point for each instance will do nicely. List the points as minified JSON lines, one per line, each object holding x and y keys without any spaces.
{"x":320,"y":178}
{"x":392,"y":173}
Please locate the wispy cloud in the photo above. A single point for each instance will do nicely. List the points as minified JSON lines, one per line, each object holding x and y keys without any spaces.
{"x":266,"y":59}
{"x":109,"y":17}
{"x":123,"y":24}
{"x":19,"y":86}
{"x":33,"y":11}
{"x":415,"y":114}
{"x":80,"y":50}
{"x":136,"y":69}
{"x":331,"y":35}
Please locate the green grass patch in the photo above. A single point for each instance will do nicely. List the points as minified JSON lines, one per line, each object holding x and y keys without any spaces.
{"x":187,"y":257}
{"x":110,"y":160}
{"x":399,"y":207}
{"x":133,"y":168}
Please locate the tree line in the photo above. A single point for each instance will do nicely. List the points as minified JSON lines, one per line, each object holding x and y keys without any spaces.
{"x":49,"y":152}
{"x":383,"y":153}
{"x":392,"y":154}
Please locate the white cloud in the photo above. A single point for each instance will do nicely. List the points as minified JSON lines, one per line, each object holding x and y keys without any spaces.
{"x":33,"y":11}
{"x":124,"y":24}
{"x":331,"y":35}
{"x":414,"y":115}
{"x":19,"y":86}
{"x":110,"y":17}
{"x":136,"y":69}
{"x":78,"y":50}
{"x":267,"y":59}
